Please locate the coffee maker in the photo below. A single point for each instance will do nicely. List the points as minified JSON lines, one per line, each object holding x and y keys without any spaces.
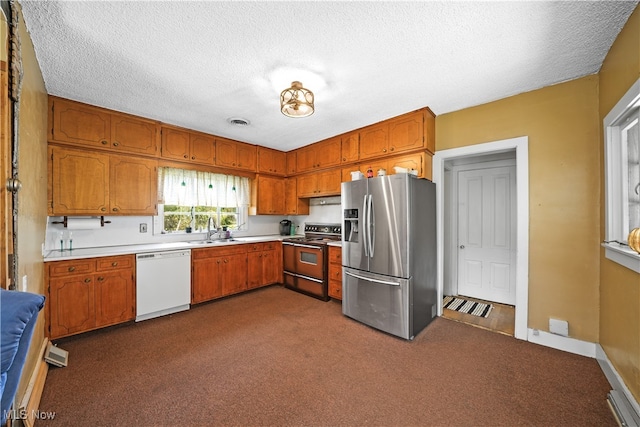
{"x":285,"y":227}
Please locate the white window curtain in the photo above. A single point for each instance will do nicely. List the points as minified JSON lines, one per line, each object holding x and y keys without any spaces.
{"x":194,"y":188}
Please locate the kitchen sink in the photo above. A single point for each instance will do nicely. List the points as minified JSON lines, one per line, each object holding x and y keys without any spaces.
{"x":211,"y":242}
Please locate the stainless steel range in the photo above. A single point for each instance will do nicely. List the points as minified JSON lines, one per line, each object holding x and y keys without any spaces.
{"x":306,"y":260}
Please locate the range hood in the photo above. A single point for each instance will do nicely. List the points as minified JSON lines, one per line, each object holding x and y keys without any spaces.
{"x":324,"y":201}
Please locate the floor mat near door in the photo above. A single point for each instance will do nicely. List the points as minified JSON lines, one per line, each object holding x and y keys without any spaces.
{"x":467,"y":306}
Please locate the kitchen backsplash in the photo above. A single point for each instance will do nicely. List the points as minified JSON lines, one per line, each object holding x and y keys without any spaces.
{"x":125,"y":230}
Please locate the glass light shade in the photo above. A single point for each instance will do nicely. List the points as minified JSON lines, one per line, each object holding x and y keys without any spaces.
{"x":296,"y":101}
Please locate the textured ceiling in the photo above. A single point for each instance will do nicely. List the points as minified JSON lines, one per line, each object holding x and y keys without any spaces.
{"x":196,"y":64}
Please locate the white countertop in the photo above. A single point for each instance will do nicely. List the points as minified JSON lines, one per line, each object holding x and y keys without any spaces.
{"x":150,"y":247}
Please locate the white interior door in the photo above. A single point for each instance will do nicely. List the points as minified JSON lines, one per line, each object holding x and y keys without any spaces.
{"x":487,"y":234}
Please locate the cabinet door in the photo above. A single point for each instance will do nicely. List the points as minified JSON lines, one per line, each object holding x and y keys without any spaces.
{"x":374,"y":141}
{"x":328,"y":152}
{"x":307,"y":185}
{"x":406,"y":133}
{"x":306,"y":158}
{"x":205,"y":282}
{"x":79,"y":182}
{"x":71,"y":305}
{"x":233,"y":273}
{"x":292,"y":204}
{"x":292,"y":162}
{"x":350,"y":147}
{"x":133,"y":135}
{"x":329,"y":182}
{"x":254,"y":269}
{"x":271,"y":161}
{"x":270,"y":196}
{"x":203,"y":149}
{"x":80,"y":124}
{"x":247,"y":155}
{"x":175,"y":144}
{"x":225,"y":153}
{"x":114,"y":297}
{"x":271,"y":267}
{"x":133,"y":186}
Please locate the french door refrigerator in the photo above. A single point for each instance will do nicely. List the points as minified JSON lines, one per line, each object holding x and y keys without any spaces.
{"x":389,"y":253}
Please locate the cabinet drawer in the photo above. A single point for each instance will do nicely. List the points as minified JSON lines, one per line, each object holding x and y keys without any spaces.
{"x":335,"y":254}
{"x":335,"y":289}
{"x":115,"y":263}
{"x":216,"y":252}
{"x":267,"y":246}
{"x":335,"y":273}
{"x":65,"y":268}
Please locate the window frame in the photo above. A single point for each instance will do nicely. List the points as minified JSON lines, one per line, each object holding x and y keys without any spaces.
{"x":616,"y":183}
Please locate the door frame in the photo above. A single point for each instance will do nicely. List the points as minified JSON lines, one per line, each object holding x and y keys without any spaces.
{"x":521,"y":147}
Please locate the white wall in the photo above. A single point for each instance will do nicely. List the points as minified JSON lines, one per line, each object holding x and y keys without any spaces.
{"x":124,"y":230}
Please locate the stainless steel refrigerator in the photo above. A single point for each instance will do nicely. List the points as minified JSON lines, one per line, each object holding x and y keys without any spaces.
{"x":389,"y":253}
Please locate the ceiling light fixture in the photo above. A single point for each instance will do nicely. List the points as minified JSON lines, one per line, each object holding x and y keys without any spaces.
{"x":296,"y":101}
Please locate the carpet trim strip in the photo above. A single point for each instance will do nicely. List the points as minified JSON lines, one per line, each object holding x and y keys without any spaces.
{"x":469,"y":307}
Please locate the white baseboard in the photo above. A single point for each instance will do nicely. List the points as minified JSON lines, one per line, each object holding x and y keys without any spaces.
{"x":559,"y":342}
{"x":616,"y":382}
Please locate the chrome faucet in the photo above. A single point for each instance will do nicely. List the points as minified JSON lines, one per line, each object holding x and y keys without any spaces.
{"x":211,"y":232}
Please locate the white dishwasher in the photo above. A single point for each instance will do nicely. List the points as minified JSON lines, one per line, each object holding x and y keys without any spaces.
{"x":163,"y":283}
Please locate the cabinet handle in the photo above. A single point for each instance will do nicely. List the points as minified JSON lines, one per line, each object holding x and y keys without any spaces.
{"x":193,"y":157}
{"x":87,"y":280}
{"x":115,"y":144}
{"x":72,"y":269}
{"x":185,"y":156}
{"x":100,"y":279}
{"x":226,"y":261}
{"x":115,"y":209}
{"x":218,"y":261}
{"x":104,"y":142}
{"x":103,"y":209}
{"x":384,"y":150}
{"x":392,"y":148}
{"x":344,"y":159}
{"x":114,"y":264}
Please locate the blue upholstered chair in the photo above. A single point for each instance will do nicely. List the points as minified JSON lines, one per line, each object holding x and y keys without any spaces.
{"x":18,"y":316}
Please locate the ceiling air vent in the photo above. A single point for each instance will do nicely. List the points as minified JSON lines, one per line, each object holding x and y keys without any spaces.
{"x":237,"y":121}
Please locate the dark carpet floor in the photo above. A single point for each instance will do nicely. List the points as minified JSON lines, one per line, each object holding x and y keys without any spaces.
{"x":276,"y":357}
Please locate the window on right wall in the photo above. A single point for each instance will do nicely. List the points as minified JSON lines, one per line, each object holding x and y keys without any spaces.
{"x":622,"y":177}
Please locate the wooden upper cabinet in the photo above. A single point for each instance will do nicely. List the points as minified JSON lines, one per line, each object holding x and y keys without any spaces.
{"x":94,"y":183}
{"x":187,"y":146}
{"x":270,"y":195}
{"x":323,"y":183}
{"x":292,"y":162}
{"x":406,"y":132}
{"x":134,"y":135}
{"x":350,"y":147}
{"x":271,"y":161}
{"x":133,"y":186}
{"x":203,"y":149}
{"x":175,"y":144}
{"x":236,"y":155}
{"x":374,"y":141}
{"x":323,"y":154}
{"x":81,"y":124}
{"x":78,"y":182}
{"x":293,"y":205}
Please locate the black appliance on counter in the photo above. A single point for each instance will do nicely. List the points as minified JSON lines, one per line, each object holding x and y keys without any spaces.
{"x":306,"y":260}
{"x":285,"y":227}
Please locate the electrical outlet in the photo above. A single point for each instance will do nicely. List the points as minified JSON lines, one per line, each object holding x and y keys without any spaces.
{"x":143,"y":228}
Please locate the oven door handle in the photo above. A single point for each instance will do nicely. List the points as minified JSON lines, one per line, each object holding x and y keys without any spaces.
{"x":313,"y":279}
{"x":369,"y":279}
{"x":318,"y":248}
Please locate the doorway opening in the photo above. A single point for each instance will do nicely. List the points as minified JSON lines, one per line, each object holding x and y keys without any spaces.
{"x":468,"y":176}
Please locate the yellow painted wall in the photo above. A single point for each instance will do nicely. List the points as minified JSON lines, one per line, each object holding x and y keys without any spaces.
{"x":619,"y":286}
{"x":32,"y":198}
{"x":561,"y":122}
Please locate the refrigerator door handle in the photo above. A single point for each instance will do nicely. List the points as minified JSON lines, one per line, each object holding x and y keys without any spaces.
{"x":368,"y":279}
{"x":365,"y":243}
{"x":372,"y":224}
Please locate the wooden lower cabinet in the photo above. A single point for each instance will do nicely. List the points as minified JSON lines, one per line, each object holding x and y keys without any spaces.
{"x":335,"y":272}
{"x":218,"y":272}
{"x":90,"y":293}
{"x":264,"y":264}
